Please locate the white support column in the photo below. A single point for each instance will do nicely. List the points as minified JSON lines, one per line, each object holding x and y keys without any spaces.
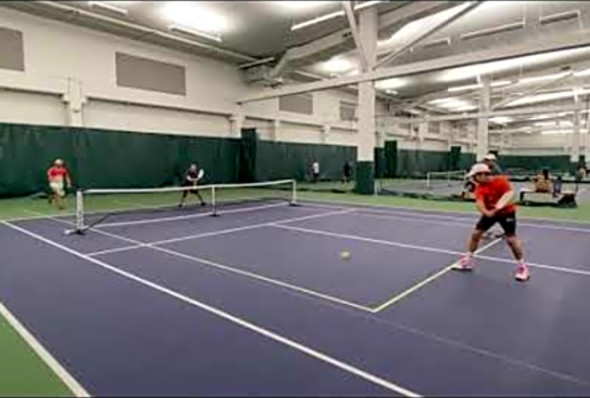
{"x":422,"y":132}
{"x":482,"y":122}
{"x":366,"y":133}
{"x":576,"y":136}
{"x":276,"y":130}
{"x":75,"y":101}
{"x":237,"y":121}
{"x":326,"y":128}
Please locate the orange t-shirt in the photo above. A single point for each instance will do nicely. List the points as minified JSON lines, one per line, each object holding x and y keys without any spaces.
{"x":491,"y":192}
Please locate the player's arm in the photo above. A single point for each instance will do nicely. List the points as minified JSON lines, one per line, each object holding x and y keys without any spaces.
{"x":68,"y":179}
{"x":506,"y":198}
{"x":482,"y":208}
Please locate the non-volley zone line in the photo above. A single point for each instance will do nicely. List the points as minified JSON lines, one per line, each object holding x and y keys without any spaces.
{"x":309,"y":351}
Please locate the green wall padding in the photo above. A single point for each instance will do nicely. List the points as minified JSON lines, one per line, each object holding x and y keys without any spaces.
{"x":535,"y":163}
{"x":466,"y":161}
{"x":365,"y":178}
{"x":279,"y":160}
{"x":107,"y":158}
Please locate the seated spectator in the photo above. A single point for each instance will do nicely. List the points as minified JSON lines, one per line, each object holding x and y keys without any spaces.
{"x":543,"y":182}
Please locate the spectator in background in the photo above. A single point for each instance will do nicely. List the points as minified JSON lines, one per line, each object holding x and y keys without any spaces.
{"x":581,"y":173}
{"x":491,"y":161}
{"x":347,"y":171}
{"x":543,"y":182}
{"x":59,"y":179}
{"x":315,"y":169}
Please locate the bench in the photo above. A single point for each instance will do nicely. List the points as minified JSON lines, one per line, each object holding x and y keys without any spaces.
{"x":529,"y":196}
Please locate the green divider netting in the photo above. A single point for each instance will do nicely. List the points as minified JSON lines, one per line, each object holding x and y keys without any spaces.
{"x":390,"y":159}
{"x":454,"y":158}
{"x":365,"y":178}
{"x":466,"y":160}
{"x":248,"y":156}
{"x":278,"y":160}
{"x":380,"y":162}
{"x":535,"y":163}
{"x":414,"y":163}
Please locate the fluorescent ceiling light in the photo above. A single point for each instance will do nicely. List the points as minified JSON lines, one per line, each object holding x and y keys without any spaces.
{"x":546,"y":97}
{"x":317,"y":20}
{"x":301,"y":5}
{"x":194,"y":33}
{"x":390,"y":91}
{"x":551,"y":132}
{"x":585,"y":72}
{"x":470,"y":72}
{"x":367,"y":4}
{"x":390,"y":84}
{"x":192,"y":16}
{"x":108,"y":5}
{"x":554,"y":124}
{"x":501,"y":119}
{"x":336,"y":65}
{"x":535,"y":79}
{"x":442,"y":100}
{"x":468,"y":87}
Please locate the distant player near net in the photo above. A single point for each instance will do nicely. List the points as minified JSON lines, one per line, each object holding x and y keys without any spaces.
{"x":191,"y":179}
{"x":59,"y":179}
{"x":493,"y":198}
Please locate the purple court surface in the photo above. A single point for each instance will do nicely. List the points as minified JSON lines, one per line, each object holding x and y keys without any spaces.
{"x":261,"y":302}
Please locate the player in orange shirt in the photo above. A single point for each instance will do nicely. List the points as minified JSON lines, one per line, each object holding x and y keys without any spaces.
{"x":58,"y":177}
{"x":493,"y":198}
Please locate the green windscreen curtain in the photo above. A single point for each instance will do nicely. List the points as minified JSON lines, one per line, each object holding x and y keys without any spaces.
{"x":390,"y":158}
{"x":107,"y":158}
{"x":379,"y":162}
{"x":455,"y":158}
{"x":535,"y":163}
{"x":248,"y":155}
{"x":416,"y":163}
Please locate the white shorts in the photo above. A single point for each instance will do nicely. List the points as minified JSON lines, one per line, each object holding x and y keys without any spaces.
{"x":57,"y":187}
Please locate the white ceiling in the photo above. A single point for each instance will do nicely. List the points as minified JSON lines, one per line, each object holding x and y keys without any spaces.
{"x":257,"y":30}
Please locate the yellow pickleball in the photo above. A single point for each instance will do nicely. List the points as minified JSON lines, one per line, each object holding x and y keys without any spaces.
{"x":345,"y":255}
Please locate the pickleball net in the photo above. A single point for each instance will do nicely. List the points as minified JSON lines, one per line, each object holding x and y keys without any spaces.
{"x":96,"y":208}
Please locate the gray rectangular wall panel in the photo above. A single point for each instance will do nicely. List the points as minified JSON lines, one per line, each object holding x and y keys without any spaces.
{"x":12,"y":54}
{"x":147,"y":74}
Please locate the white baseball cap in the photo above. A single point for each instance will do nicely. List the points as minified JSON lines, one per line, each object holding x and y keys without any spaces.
{"x":478,"y":168}
{"x":489,"y":156}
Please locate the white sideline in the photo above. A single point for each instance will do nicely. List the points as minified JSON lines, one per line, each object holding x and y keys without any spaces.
{"x":62,"y":374}
{"x":230,"y":318}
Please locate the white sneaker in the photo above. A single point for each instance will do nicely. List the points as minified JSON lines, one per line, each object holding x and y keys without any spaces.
{"x":522,"y":273}
{"x":464,"y":264}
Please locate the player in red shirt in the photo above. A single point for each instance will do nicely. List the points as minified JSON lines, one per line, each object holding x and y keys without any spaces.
{"x":493,"y":198}
{"x":58,"y":177}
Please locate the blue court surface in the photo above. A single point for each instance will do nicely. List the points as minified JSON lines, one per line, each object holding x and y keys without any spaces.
{"x":261,"y":302}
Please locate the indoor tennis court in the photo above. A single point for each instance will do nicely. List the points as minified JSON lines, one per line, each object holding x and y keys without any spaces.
{"x":265,"y":295}
{"x":294,"y":198}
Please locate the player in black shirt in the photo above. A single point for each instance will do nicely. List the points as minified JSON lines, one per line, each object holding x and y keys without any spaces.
{"x":191,"y":178}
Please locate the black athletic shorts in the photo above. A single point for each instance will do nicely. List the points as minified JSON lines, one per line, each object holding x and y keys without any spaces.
{"x":506,"y":221}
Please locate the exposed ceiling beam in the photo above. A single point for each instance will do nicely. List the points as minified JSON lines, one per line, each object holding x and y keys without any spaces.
{"x":347,"y":5}
{"x":339,"y":42}
{"x":536,"y":46}
{"x":429,"y":32}
{"x":534,"y":90}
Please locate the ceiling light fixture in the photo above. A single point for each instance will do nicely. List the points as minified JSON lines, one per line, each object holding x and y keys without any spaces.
{"x":108,"y":6}
{"x":194,"y":17}
{"x":193,"y":32}
{"x":300,"y":5}
{"x":468,"y":87}
{"x":367,"y":4}
{"x":337,"y":65}
{"x":535,"y":79}
{"x":317,"y":20}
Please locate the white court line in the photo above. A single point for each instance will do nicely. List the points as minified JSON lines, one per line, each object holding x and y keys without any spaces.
{"x":230,"y":318}
{"x":424,"y":216}
{"x":431,"y":249}
{"x":385,"y":208}
{"x":62,"y":374}
{"x":427,"y":281}
{"x":238,"y":271}
{"x":209,"y":234}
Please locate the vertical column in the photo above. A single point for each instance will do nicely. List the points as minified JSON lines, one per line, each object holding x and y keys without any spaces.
{"x":422,"y":132}
{"x":482,"y":122}
{"x":275,"y":130}
{"x":576,"y":136}
{"x":237,"y":121}
{"x":325,"y":132}
{"x":365,"y":168}
{"x":74,"y":100}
